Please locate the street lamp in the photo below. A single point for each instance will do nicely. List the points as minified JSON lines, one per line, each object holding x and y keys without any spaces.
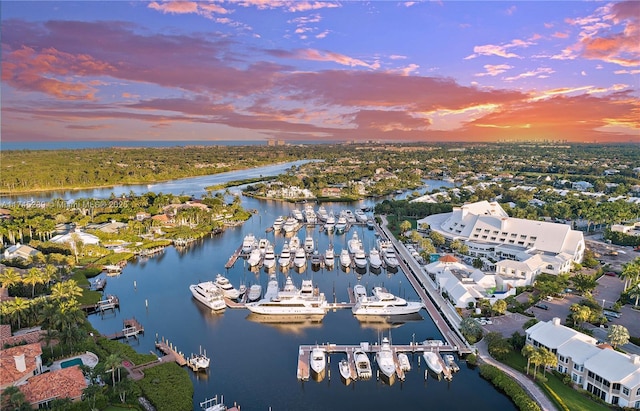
{"x":603,"y":303}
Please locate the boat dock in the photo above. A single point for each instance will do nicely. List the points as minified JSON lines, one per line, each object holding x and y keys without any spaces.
{"x":234,"y":257}
{"x":110,"y":303}
{"x":130,"y":328}
{"x":304,"y":352}
{"x":171,"y":352}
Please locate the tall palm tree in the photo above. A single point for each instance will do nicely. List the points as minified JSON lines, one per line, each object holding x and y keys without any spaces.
{"x":527,"y":351}
{"x":549,"y":359}
{"x":50,"y":273}
{"x":34,"y":276}
{"x":630,"y":272}
{"x":113,"y":362}
{"x":16,"y":309}
{"x":10,"y":277}
{"x":536,"y":359}
{"x":66,"y":290}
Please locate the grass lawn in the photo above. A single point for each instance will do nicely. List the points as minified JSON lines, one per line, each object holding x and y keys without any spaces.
{"x":572,"y":399}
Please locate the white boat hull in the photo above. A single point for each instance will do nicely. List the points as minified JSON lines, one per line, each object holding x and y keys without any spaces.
{"x":210,"y":301}
{"x":433,"y":362}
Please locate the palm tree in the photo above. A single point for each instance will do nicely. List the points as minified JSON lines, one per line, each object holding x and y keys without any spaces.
{"x":618,"y":335}
{"x":113,"y":362}
{"x":581,"y":313}
{"x":536,"y":359}
{"x":527,"y":351}
{"x":549,"y":359}
{"x":49,"y":336}
{"x":50,"y":273}
{"x":470,"y":329}
{"x":66,"y":290}
{"x":499,"y":307}
{"x":10,"y":277}
{"x":630,"y":272}
{"x":34,"y":276}
{"x":635,"y":293}
{"x":16,"y":308}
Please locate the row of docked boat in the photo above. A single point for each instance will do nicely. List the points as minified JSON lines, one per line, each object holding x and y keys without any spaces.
{"x":391,"y":364}
{"x":306,"y":301}
{"x":213,"y":293}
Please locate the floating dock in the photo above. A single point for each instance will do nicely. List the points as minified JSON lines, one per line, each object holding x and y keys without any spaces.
{"x":171,"y":352}
{"x":131,"y":328}
{"x":234,"y":257}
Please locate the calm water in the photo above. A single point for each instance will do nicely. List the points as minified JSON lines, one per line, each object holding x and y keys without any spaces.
{"x":255,"y":363}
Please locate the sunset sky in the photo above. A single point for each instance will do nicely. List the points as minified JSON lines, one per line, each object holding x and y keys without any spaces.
{"x":321,"y":71}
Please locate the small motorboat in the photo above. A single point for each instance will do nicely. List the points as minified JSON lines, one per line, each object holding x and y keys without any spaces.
{"x":318,"y":362}
{"x":255,"y":292}
{"x":363,"y":364}
{"x":345,"y":371}
{"x":403,"y":360}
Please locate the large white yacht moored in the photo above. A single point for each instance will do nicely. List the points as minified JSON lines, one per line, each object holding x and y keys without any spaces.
{"x":208,"y":294}
{"x":227,"y":289}
{"x":278,"y":223}
{"x":375,"y":261}
{"x":255,"y":292}
{"x":363,"y":364}
{"x":322,"y":213}
{"x":386,"y":364}
{"x":254,"y":257}
{"x":388,"y":253}
{"x":330,"y":223}
{"x":309,"y":244}
{"x":329,"y":257}
{"x":269,"y":260}
{"x":290,"y":225}
{"x":300,"y":258}
{"x":285,"y":256}
{"x":249,"y":243}
{"x":290,"y":301}
{"x":382,"y":302}
{"x":354,"y":244}
{"x":345,"y":258}
{"x":317,"y":363}
{"x":360,"y":259}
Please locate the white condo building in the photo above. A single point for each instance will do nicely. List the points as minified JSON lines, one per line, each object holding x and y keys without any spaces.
{"x":610,"y":375}
{"x":522,"y":248}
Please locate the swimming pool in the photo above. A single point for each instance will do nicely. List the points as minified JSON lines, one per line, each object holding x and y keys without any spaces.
{"x":71,"y":362}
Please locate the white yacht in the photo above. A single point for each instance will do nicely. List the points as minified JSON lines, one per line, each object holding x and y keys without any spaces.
{"x":209,"y":295}
{"x":388,"y":254}
{"x":249,"y":243}
{"x":316,"y":258}
{"x":227,"y":289}
{"x":345,"y":371}
{"x":285,"y":256}
{"x":403,"y":360}
{"x":341,"y":224}
{"x":345,"y":259}
{"x":433,"y":362}
{"x":297,"y":214}
{"x":385,"y":361}
{"x":361,"y":217}
{"x":255,"y":291}
{"x":278,"y":223}
{"x":318,"y":362}
{"x":310,"y":215}
{"x":254,"y":258}
{"x":330,"y":223}
{"x":382,"y":302}
{"x":359,"y":292}
{"x":294,"y":244}
{"x":348,"y":215}
{"x":374,"y":258}
{"x":354,"y":244}
{"x":300,"y":258}
{"x":290,"y":225}
{"x":272,"y":288}
{"x":290,"y":301}
{"x":360,"y":259}
{"x":309,"y":244}
{"x":322,"y":213}
{"x":363,"y":364}
{"x":329,"y":257}
{"x":263,"y":243}
{"x":269,"y":260}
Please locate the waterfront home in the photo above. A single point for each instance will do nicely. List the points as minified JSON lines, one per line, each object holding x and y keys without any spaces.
{"x":18,"y":364}
{"x":86,"y":238}
{"x":529,"y":247}
{"x":610,"y":375}
{"x":21,"y":252}
{"x":41,"y":389}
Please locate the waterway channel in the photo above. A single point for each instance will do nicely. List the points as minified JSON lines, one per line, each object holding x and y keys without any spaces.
{"x":253,"y":363}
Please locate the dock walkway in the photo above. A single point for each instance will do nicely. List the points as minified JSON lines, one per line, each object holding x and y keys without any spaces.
{"x":304,"y":352}
{"x":130,"y":328}
{"x":444,"y":317}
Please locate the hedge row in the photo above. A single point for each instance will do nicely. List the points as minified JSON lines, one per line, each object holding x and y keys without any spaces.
{"x":168,"y":387}
{"x":505,"y":383}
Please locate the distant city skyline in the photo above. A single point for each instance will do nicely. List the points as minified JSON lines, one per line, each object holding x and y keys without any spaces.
{"x":386,"y":71}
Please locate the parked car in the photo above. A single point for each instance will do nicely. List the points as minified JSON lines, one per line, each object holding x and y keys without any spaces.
{"x":611,"y":314}
{"x":542,"y":306}
{"x":611,"y":274}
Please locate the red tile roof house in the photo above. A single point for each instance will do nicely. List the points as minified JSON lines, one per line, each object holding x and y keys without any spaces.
{"x":65,"y":383}
{"x":18,"y":364}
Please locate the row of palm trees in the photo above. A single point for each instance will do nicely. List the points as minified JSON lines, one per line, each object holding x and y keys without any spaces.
{"x":34,"y":276}
{"x":539,"y":356}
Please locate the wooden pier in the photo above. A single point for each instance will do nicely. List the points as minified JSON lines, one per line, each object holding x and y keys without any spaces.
{"x":171,"y":352}
{"x":232,"y":260}
{"x":110,"y":303}
{"x":131,"y":328}
{"x":304,"y":352}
